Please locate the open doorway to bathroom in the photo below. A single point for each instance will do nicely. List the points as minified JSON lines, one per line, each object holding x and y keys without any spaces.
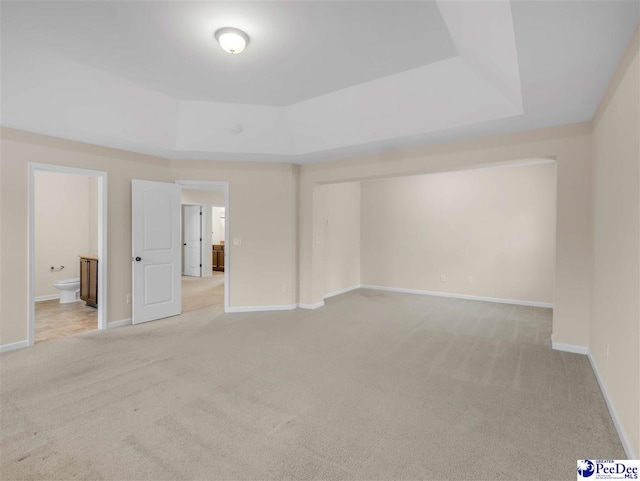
{"x":204,"y":260}
{"x":67,"y":236}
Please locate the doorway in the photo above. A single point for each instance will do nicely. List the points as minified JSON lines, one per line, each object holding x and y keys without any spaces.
{"x":208,"y":286}
{"x":218,"y":230}
{"x":67,"y":251}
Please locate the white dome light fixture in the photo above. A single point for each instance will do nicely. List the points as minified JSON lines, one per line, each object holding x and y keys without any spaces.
{"x":232,"y":40}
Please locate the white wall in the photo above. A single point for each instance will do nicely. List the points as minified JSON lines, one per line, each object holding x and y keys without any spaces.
{"x":66,"y":226}
{"x":218,"y":225}
{"x":494,"y":225}
{"x":615,"y":323}
{"x":341,"y":235}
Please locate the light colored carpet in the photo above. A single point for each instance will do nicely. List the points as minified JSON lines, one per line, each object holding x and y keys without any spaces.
{"x":373,"y":386}
{"x":202,"y":292}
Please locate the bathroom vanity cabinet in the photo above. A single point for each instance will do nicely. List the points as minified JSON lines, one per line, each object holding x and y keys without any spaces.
{"x":89,"y":280}
{"x":217,"y":257}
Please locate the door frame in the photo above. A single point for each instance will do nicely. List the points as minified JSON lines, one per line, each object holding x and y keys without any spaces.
{"x":102,"y":240}
{"x":203,"y":252}
{"x":207,"y":185}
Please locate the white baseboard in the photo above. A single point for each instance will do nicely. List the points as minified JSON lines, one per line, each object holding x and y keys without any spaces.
{"x":585,"y":350}
{"x":558,"y":346}
{"x":459,"y":296}
{"x":341,"y":291}
{"x":311,"y":306}
{"x":120,"y":323}
{"x":286,"y":307}
{"x":48,"y":297}
{"x":621,"y":433}
{"x":13,"y":346}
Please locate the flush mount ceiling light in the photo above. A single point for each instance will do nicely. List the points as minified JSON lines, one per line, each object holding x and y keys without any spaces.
{"x":232,"y":40}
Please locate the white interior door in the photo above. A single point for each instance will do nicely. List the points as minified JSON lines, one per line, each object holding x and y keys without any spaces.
{"x":192,"y":241}
{"x":157,"y":288}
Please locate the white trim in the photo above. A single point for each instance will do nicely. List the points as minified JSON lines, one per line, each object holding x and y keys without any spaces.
{"x":526,"y":162}
{"x":203,"y":239}
{"x":616,"y":421}
{"x":341,"y":291}
{"x":102,"y":240}
{"x":120,"y":323}
{"x":460,"y":296}
{"x":311,"y":306}
{"x":48,"y":297}
{"x":14,"y":345}
{"x":558,"y":346}
{"x":614,"y":416}
{"x":207,"y":185}
{"x":286,"y":307}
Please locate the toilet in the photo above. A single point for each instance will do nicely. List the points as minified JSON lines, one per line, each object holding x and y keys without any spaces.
{"x":69,"y":289}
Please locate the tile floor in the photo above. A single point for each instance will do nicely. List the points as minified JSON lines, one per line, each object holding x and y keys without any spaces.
{"x":55,"y":320}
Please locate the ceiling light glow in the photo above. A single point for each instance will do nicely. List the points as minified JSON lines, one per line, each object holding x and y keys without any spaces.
{"x":232,"y":40}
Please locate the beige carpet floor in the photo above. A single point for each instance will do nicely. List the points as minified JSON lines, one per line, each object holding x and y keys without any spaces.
{"x":373,"y":386}
{"x":202,"y":292}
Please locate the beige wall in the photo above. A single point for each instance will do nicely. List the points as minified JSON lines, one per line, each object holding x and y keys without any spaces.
{"x":66,"y":219}
{"x":615,"y":325}
{"x":262,"y":214}
{"x":262,"y":197}
{"x":496,"y":226}
{"x":569,"y":145}
{"x":264,"y":210}
{"x":340,"y":235}
{"x":195,"y":196}
{"x":17,"y":150}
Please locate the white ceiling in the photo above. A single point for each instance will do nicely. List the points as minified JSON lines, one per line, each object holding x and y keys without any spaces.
{"x":297,"y":51}
{"x":319,"y":79}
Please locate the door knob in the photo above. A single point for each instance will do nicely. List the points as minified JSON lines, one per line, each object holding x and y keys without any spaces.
{"x":138,"y":259}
